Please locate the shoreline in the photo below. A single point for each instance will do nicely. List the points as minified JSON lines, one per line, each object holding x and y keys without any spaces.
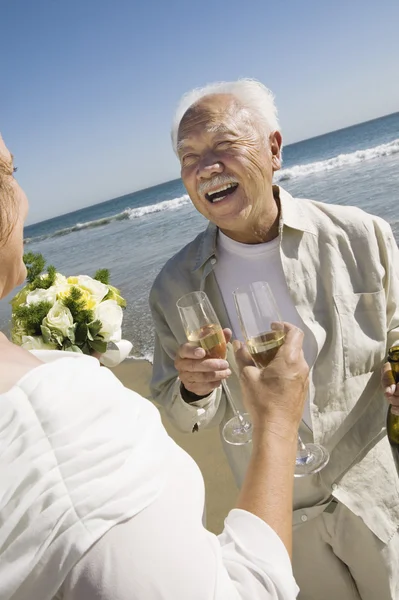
{"x":204,"y":447}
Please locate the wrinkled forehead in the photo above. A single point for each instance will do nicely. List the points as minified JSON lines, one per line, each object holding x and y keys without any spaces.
{"x":214,"y":114}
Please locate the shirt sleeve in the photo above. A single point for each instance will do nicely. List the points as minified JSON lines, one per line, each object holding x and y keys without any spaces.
{"x":165,"y":384}
{"x":205,"y":412}
{"x":164,"y":553}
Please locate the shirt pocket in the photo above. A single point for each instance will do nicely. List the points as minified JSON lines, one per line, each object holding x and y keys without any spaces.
{"x":362,"y":320}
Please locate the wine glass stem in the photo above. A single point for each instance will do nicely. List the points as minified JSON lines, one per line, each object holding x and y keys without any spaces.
{"x":302,"y":451}
{"x":232,"y":403}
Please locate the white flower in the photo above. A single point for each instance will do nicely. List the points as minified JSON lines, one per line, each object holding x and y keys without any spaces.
{"x":110,"y":315}
{"x":60,"y":284}
{"x":40,"y":295}
{"x":60,"y":279}
{"x":97,"y":289}
{"x":30,"y":342}
{"x":59,"y":318}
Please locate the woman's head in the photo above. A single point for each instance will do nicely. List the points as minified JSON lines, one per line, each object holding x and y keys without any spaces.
{"x":13,"y":212}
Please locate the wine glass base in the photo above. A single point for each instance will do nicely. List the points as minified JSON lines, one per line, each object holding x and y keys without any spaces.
{"x":237,"y":433}
{"x":316,"y":459}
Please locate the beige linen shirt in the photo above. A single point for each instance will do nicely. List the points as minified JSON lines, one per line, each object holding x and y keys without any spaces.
{"x":342,"y":270}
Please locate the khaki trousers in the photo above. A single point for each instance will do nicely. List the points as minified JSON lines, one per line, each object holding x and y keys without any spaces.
{"x":336,"y":557}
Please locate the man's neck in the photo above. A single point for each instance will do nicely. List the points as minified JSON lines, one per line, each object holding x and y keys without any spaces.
{"x":265,"y":229}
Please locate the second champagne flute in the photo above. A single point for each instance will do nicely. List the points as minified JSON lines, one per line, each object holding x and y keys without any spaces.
{"x":202,"y":328}
{"x":263,"y":330}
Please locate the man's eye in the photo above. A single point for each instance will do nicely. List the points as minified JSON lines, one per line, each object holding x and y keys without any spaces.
{"x":189,"y":158}
{"x":223,"y":145}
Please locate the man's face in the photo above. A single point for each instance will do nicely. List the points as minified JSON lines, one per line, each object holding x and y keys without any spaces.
{"x":226,"y":164}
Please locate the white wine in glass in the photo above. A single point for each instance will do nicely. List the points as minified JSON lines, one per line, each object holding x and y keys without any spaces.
{"x":264,"y":347}
{"x":202,"y":328}
{"x":211,"y":339}
{"x":263,"y":330}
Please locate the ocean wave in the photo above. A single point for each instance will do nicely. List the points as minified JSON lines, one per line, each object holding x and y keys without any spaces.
{"x":135,"y":213}
{"x":147,"y":356}
{"x":298,"y":171}
{"x":127,"y":214}
{"x":342,"y":160}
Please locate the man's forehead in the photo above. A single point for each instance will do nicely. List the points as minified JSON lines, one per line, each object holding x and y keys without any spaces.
{"x":218,"y":114}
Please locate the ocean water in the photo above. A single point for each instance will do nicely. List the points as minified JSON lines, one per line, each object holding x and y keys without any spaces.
{"x":134,"y":235}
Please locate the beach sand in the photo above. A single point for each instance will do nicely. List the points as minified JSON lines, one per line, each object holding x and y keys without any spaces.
{"x":205,"y":448}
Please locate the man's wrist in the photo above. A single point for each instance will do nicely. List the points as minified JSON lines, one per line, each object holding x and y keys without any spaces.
{"x":190,"y":397}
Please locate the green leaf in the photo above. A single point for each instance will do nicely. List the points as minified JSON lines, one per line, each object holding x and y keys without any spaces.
{"x":98,"y":346}
{"x":46,"y":333}
{"x":51,"y":335}
{"x":102,"y":275}
{"x":115,"y":294}
{"x":81,"y":333}
{"x":46,"y":282}
{"x":31,"y":317}
{"x":58,"y":337}
{"x":94,"y":329}
{"x":75,"y":348}
{"x":86,"y":349}
{"x":71,"y":334}
{"x":35,"y":264}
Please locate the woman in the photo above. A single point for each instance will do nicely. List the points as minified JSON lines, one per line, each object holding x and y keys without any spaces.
{"x":98,"y":503}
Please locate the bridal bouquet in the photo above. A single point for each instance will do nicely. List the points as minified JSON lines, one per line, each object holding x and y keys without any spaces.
{"x":76,"y":314}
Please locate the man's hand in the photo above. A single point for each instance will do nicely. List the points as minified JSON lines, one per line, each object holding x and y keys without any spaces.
{"x":391,"y":389}
{"x":275,"y":396}
{"x":198,"y":374}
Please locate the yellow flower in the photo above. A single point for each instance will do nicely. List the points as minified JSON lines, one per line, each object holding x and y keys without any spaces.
{"x":90,"y":302}
{"x":72,"y":280}
{"x":62,"y":294}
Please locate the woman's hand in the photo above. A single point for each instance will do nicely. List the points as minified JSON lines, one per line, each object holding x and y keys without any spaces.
{"x":275,"y":395}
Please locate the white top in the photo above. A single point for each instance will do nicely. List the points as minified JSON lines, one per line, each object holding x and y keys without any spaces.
{"x":98,"y":503}
{"x":241,"y":264}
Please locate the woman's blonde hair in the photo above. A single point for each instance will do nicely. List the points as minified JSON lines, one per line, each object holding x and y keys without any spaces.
{"x":7,"y":199}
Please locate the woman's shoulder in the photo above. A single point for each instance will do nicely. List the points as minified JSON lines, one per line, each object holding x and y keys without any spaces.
{"x":15,"y":363}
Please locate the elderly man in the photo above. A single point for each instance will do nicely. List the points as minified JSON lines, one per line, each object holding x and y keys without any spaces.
{"x":334,"y":271}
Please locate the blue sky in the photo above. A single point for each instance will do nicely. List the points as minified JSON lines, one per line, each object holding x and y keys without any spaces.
{"x":88,"y":87}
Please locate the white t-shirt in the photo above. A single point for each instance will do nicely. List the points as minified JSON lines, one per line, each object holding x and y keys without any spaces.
{"x":241,"y":264}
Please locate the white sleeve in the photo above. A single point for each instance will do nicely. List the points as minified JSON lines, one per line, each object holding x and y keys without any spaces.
{"x":204,"y":412}
{"x":164,"y":553}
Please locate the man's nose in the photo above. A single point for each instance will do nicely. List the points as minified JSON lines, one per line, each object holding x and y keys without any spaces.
{"x":209,"y":166}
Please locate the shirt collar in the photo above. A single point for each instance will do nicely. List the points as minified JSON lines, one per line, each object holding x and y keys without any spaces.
{"x":292,"y":216}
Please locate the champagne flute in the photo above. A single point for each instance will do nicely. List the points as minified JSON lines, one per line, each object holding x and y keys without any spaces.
{"x":202,"y":328}
{"x":263,"y":330}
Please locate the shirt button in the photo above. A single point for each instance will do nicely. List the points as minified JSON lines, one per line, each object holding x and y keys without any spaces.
{"x":334,"y":486}
{"x":213,"y":261}
{"x":304,"y":518}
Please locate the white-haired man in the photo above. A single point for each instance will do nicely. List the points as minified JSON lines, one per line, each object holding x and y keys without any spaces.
{"x":334,"y":271}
